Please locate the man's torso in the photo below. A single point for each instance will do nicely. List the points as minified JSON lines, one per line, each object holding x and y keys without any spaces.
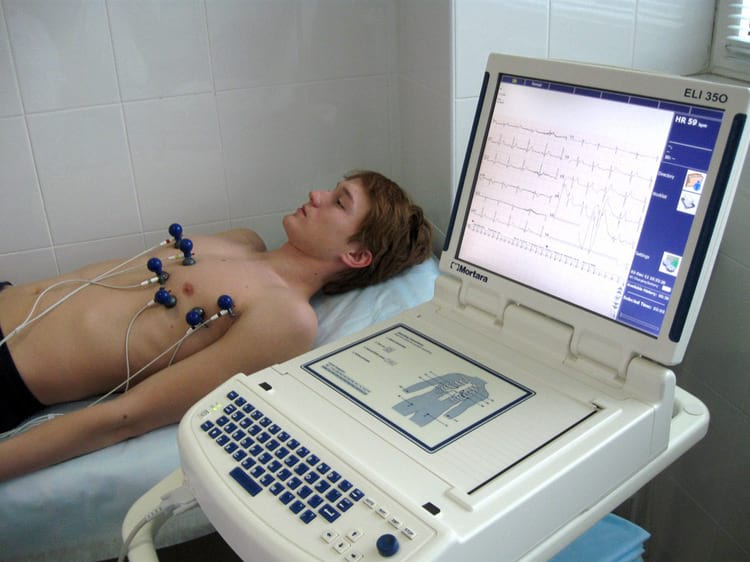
{"x":78,"y":349}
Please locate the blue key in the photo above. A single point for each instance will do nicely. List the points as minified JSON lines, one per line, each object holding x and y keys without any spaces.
{"x":333,"y":495}
{"x":307,"y":516}
{"x":266,"y":480}
{"x":291,"y":460}
{"x":250,"y":485}
{"x":329,"y":513}
{"x":315,"y":501}
{"x":281,"y":452}
{"x":345,"y":504}
{"x":286,"y":497}
{"x":265,"y":457}
{"x":297,"y":506}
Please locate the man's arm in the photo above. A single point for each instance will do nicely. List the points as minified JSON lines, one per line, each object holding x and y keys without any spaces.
{"x":275,"y":331}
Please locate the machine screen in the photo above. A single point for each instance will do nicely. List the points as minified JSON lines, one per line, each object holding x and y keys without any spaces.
{"x":589,"y":195}
{"x":429,"y":393}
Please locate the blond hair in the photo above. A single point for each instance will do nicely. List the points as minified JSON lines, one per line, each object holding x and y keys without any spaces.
{"x":395,"y":231}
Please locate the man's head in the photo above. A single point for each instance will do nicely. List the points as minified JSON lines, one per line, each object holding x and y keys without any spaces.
{"x":394,"y":232}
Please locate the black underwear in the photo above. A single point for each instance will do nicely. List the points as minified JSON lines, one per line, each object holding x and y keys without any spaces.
{"x":16,"y":401}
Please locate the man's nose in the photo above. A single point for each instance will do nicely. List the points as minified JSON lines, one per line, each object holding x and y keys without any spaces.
{"x":316,"y":198}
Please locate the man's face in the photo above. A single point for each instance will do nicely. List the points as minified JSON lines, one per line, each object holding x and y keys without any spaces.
{"x":323,"y":226}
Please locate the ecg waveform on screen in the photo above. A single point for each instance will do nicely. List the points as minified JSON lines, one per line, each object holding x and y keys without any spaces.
{"x":569,"y":196}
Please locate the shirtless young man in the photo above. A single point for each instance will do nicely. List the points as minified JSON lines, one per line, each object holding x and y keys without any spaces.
{"x":362,"y":232}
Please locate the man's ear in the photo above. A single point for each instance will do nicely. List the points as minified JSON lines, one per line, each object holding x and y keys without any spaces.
{"x":357,"y":257}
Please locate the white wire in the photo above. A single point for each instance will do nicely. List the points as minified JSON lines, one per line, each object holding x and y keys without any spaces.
{"x":85,"y":283}
{"x":175,"y":346}
{"x":27,"y":425}
{"x":191,"y":331}
{"x":174,"y":502}
{"x":177,"y":349}
{"x":127,"y":343}
{"x":146,"y":366}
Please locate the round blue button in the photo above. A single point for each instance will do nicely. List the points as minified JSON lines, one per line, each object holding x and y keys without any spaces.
{"x":387,"y":545}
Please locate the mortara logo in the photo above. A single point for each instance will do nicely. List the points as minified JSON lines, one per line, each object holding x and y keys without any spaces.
{"x":473,"y":273}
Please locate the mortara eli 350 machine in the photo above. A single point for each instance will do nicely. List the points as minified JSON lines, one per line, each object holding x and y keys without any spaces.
{"x":533,"y":393}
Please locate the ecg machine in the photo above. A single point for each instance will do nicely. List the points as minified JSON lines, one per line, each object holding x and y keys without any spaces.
{"x":533,"y":393}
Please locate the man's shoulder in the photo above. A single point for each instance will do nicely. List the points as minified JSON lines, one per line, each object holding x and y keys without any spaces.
{"x":285,"y":309}
{"x":243,"y":236}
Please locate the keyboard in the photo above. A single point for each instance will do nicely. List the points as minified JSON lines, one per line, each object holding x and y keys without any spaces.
{"x":269,"y":459}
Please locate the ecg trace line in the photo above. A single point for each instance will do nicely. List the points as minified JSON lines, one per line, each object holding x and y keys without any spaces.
{"x":571,"y":138}
{"x":580,"y":196}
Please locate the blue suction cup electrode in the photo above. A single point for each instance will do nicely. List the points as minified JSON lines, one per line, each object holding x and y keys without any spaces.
{"x":175,"y":231}
{"x":165,"y":298}
{"x":195,"y":317}
{"x":186,"y":247}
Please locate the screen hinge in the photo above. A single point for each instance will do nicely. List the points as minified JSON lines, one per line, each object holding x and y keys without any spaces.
{"x":600,"y":357}
{"x":477,"y":306}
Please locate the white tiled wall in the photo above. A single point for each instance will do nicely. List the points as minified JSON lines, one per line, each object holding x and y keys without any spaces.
{"x":648,"y":35}
{"x":119,"y":117}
